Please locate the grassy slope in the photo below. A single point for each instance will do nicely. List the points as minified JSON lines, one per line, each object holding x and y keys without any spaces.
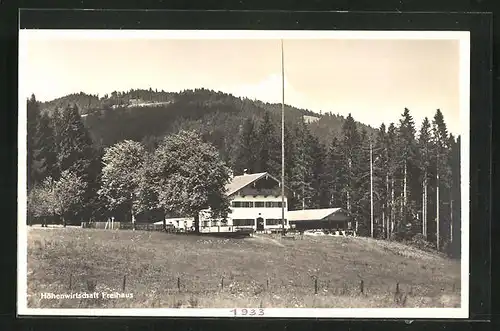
{"x":152,"y":263}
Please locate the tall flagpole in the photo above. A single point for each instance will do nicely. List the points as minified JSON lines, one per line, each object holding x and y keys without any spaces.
{"x":282,"y":141}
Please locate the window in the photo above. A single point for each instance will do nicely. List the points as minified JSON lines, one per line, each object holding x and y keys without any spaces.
{"x":206,"y":224}
{"x":242,"y":204}
{"x":259,"y":204}
{"x":244,"y":222}
{"x":273,"y":221}
{"x":274,"y":204}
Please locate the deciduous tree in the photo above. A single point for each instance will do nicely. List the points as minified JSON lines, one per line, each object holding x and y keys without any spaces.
{"x":121,"y":175}
{"x":190,"y":176}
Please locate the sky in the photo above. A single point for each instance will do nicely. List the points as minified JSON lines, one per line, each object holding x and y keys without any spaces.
{"x":374,"y":80}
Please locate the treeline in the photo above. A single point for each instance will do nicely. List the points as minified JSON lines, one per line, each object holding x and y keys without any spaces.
{"x":112,"y":118}
{"x":62,"y":159}
{"x":71,"y":180}
{"x":410,"y":179}
{"x":414,"y":177}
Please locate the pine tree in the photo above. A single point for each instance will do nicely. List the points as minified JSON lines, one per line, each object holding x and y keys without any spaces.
{"x":425,"y":148}
{"x":361,"y":189}
{"x":392,"y":155}
{"x":452,"y":197}
{"x":76,"y":154}
{"x":301,"y":163}
{"x":319,"y":183}
{"x":381,"y":179}
{"x":456,"y":200}
{"x":33,"y":117}
{"x":247,"y":148}
{"x":44,"y":152}
{"x":75,"y":148}
{"x":269,"y":147}
{"x":334,"y":173}
{"x":290,"y":145}
{"x":441,"y":150}
{"x":408,"y":170}
{"x":350,"y":144}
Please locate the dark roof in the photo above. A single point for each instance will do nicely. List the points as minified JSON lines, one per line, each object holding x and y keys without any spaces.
{"x":239,"y":182}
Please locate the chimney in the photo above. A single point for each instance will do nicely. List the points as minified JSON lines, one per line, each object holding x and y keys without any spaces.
{"x":245,"y":171}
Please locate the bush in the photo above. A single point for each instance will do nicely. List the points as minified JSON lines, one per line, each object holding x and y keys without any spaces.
{"x":420,"y":242}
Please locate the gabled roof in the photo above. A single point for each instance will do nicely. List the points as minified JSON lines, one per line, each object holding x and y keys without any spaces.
{"x":311,"y":214}
{"x":239,"y":182}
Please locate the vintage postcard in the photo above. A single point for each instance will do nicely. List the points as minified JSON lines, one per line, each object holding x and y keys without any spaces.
{"x":244,"y":173}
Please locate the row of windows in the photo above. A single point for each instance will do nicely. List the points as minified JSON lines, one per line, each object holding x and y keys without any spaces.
{"x":257,"y":204}
{"x":251,"y":222}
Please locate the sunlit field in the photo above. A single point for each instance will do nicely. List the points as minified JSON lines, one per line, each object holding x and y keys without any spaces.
{"x":159,"y":270}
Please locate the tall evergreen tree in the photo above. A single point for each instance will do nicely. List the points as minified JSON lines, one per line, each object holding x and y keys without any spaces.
{"x":41,"y":154}
{"x":425,"y":148}
{"x":33,"y":117}
{"x":269,"y":147}
{"x":350,"y":144}
{"x":361,"y":190}
{"x":455,"y":246}
{"x":301,"y":177}
{"x":45,"y":154}
{"x":247,"y":148}
{"x":392,"y":156}
{"x":443,"y":173}
{"x":408,"y":170}
{"x":75,"y":148}
{"x":381,"y":181}
{"x":319,"y":183}
{"x":76,"y":153}
{"x":334,"y":173}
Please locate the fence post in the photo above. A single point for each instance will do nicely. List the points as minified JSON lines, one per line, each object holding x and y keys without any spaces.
{"x":267,"y":284}
{"x":397,"y":288}
{"x":316,"y":285}
{"x":179,"y":283}
{"x":124,"y":282}
{"x":362,"y":287}
{"x":222,"y":283}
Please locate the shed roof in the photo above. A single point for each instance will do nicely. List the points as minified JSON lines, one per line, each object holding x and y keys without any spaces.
{"x":312,"y":214}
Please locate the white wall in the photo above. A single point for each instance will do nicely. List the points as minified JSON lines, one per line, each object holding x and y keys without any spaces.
{"x":254,"y":213}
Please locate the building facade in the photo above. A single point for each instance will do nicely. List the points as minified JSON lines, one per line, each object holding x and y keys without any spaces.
{"x":256,"y":203}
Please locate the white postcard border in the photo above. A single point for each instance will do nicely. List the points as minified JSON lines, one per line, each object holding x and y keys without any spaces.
{"x":433,"y":313}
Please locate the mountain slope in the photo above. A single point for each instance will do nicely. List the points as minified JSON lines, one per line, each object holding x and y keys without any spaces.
{"x":142,"y":114}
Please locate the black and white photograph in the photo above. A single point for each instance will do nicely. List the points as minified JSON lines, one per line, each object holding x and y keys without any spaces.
{"x":244,"y":173}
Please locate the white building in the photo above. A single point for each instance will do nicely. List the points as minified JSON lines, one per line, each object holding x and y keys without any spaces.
{"x":256,"y":202}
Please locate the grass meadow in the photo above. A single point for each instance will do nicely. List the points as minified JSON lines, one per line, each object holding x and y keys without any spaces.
{"x":162,"y":270}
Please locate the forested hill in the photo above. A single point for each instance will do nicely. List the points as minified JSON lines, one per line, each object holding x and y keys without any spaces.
{"x":144,"y":115}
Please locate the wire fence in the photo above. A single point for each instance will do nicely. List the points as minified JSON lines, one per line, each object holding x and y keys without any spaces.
{"x":198,"y":285}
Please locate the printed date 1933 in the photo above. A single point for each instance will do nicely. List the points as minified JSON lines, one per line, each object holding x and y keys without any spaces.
{"x":247,"y":312}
